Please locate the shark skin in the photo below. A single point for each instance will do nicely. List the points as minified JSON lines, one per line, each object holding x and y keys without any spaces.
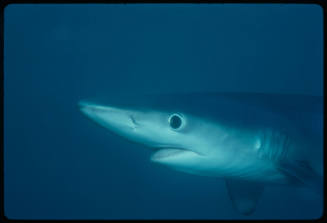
{"x":250,"y":140}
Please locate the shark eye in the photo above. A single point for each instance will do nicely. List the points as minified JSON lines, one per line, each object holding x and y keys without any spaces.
{"x":175,"y":121}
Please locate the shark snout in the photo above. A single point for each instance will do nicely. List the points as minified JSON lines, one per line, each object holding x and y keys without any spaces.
{"x":113,"y":118}
{"x":88,"y":107}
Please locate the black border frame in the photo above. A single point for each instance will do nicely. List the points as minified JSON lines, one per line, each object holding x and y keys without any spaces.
{"x":4,"y":3}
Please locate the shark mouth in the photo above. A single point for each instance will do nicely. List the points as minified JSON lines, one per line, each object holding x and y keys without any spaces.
{"x":171,"y":153}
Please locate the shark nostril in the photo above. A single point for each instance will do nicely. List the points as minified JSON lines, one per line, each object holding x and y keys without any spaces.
{"x":133,"y":120}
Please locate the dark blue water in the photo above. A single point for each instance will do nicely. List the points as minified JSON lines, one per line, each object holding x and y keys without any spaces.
{"x":60,"y":165}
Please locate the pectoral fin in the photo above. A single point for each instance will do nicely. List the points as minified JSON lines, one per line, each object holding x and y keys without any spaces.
{"x":302,"y":172}
{"x":244,"y":195}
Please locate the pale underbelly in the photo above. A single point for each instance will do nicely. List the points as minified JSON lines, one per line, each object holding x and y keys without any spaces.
{"x":260,"y":172}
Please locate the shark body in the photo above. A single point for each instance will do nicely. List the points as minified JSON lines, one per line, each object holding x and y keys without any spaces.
{"x":249,"y":140}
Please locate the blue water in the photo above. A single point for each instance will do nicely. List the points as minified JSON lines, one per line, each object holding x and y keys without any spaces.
{"x":60,"y":165}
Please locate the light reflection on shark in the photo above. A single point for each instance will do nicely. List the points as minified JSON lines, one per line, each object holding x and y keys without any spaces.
{"x":249,"y":139}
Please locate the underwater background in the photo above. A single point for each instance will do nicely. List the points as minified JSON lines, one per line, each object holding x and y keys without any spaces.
{"x":60,"y":165}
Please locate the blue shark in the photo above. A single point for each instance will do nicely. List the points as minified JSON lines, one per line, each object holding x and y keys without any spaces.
{"x":251,"y":140}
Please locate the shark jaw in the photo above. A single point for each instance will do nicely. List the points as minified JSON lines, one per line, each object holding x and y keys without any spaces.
{"x":169,"y":154}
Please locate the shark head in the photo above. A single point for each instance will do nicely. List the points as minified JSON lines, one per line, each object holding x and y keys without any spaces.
{"x":179,"y":139}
